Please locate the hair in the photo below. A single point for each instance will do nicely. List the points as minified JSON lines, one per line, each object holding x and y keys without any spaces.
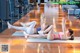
{"x":70,"y":31}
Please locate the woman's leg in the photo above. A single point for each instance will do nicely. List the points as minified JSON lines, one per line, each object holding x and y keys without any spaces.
{"x":15,"y":27}
{"x":27,"y":24}
{"x":30,"y":29}
{"x":32,"y":24}
{"x":47,"y":30}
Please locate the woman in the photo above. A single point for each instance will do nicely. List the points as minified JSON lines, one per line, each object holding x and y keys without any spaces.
{"x":28,"y":28}
{"x":54,"y":35}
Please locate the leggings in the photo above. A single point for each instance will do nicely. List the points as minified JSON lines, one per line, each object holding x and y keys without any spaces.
{"x":28,"y":30}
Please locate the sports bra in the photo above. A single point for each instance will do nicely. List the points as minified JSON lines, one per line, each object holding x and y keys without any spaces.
{"x":55,"y":36}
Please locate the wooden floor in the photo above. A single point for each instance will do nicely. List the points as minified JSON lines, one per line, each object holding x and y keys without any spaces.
{"x":20,"y":45}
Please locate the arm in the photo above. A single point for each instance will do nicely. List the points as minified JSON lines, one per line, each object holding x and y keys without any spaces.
{"x":64,"y":28}
{"x":48,"y":29}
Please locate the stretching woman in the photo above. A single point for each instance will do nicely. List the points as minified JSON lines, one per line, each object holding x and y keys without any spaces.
{"x":54,"y":35}
{"x":29,"y":28}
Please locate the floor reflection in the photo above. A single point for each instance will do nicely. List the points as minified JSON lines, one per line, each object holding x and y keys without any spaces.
{"x":21,"y":46}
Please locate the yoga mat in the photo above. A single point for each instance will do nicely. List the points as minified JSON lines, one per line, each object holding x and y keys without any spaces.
{"x":41,"y":40}
{"x":18,"y":33}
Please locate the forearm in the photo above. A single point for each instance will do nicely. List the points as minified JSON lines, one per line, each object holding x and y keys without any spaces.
{"x":48,"y":29}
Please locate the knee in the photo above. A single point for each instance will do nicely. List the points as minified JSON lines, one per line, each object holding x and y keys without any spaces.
{"x":34,"y":22}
